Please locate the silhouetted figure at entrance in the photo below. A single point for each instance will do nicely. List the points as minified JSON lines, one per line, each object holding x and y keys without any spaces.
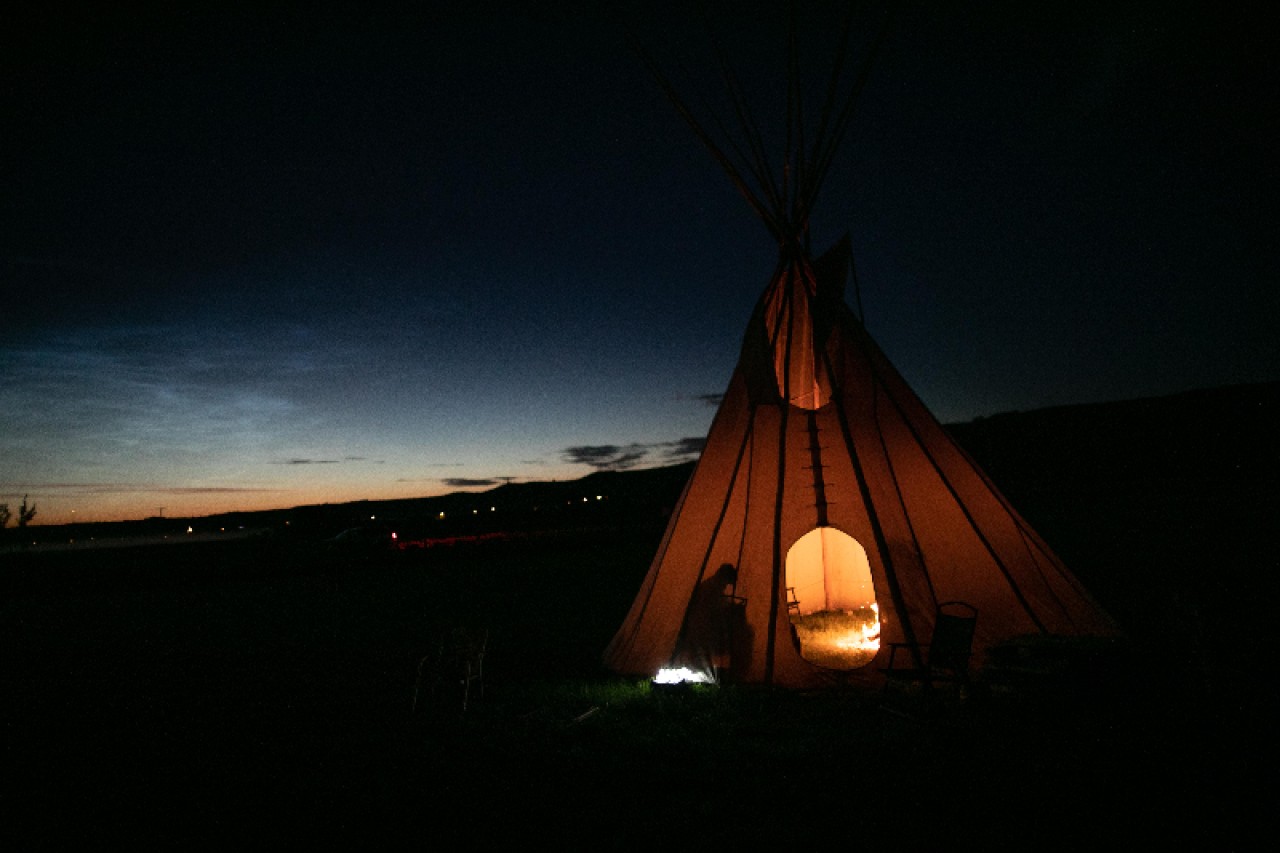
{"x":715,"y":637}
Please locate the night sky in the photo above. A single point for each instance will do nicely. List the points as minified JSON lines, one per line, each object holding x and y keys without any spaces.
{"x":259,"y":260}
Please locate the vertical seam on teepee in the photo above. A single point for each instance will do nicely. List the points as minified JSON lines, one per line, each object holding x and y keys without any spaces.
{"x":897,"y":486}
{"x":877,"y":531}
{"x":973,"y":525}
{"x":784,"y":410}
{"x":1030,"y":538}
{"x":715,"y":532}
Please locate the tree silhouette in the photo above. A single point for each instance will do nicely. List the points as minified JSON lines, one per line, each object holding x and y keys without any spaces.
{"x":24,"y":514}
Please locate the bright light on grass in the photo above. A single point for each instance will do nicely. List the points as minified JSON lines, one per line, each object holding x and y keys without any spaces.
{"x":678,"y":676}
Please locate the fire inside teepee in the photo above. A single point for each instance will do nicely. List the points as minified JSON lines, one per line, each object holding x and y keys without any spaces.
{"x":839,"y":639}
{"x":834,"y":615}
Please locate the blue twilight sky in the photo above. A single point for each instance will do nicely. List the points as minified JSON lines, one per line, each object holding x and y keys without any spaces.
{"x":320,"y":253}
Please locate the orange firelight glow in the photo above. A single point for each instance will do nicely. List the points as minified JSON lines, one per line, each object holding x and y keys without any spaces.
{"x":832,"y":603}
{"x":839,"y":639}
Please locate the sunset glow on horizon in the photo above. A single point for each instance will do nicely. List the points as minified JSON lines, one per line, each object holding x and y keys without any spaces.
{"x":368,"y":256}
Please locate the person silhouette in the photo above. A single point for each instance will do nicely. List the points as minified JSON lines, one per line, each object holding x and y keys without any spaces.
{"x":709,"y":630}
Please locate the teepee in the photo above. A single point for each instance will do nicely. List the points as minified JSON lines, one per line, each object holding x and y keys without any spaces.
{"x":830,"y":513}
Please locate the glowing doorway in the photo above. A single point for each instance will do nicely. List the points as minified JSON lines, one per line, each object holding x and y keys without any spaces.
{"x":832,"y":602}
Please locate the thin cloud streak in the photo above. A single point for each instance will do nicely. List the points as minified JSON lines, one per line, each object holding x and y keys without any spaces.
{"x":468,"y":483}
{"x":613,"y":457}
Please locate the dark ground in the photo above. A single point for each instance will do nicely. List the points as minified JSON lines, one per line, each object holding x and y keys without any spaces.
{"x":260,"y":692}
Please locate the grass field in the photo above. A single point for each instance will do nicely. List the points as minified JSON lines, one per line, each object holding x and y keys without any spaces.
{"x":262,"y":693}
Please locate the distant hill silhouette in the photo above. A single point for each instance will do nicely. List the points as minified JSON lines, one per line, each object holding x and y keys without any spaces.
{"x":1194,"y":436}
{"x":631,"y":498}
{"x":1212,"y":450}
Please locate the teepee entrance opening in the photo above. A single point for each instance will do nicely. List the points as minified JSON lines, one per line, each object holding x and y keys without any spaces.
{"x":831,"y":600}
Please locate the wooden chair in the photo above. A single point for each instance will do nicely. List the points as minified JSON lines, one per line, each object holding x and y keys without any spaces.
{"x":947,"y":657}
{"x":793,"y":603}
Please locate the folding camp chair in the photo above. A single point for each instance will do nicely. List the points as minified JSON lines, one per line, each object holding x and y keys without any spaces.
{"x":454,"y":671}
{"x":947,"y":657}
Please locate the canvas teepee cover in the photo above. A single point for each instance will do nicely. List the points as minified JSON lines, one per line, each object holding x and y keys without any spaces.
{"x":822,"y":466}
{"x":827,"y":495}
